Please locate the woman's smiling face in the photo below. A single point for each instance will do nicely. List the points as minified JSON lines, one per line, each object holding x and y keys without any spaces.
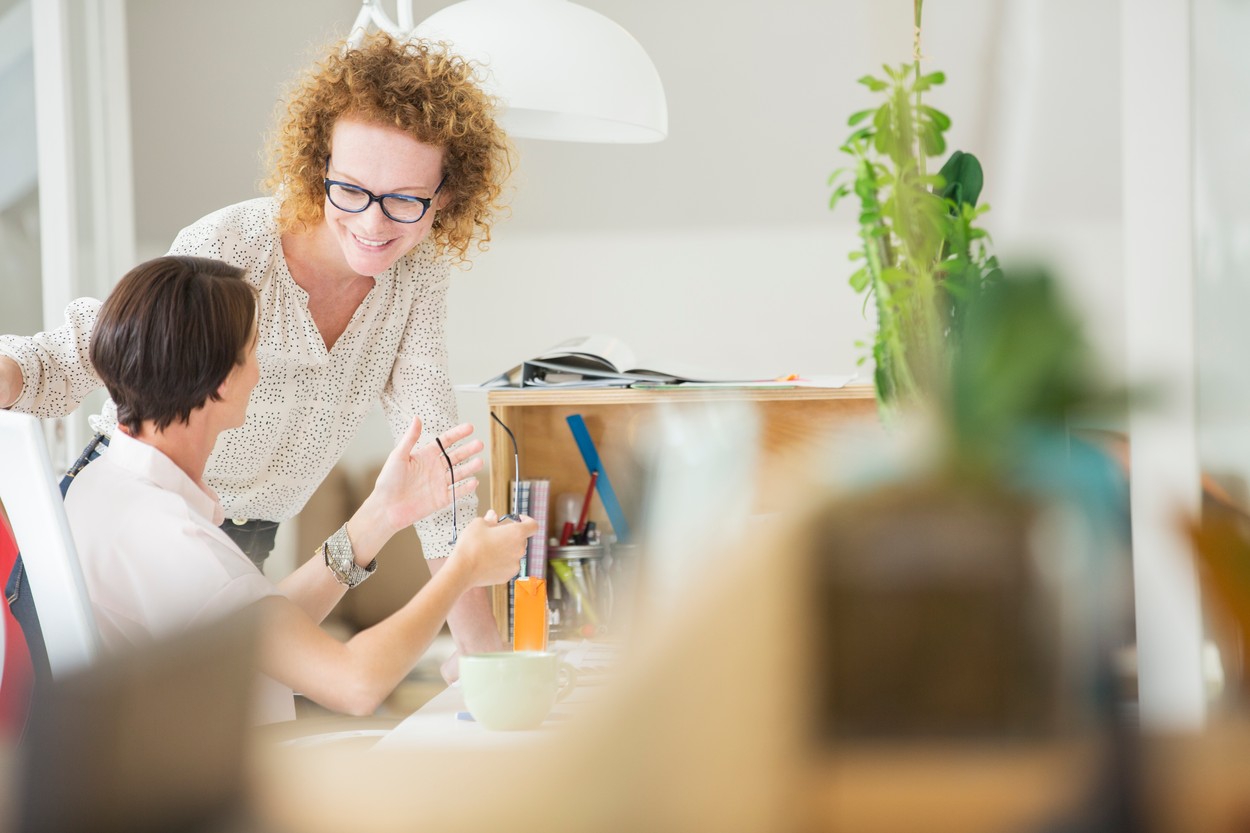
{"x":383,"y":160}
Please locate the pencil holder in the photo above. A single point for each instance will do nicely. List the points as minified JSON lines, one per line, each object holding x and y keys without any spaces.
{"x":581,"y":592}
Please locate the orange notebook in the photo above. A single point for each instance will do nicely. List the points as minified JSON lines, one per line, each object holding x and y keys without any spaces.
{"x":529,"y":615}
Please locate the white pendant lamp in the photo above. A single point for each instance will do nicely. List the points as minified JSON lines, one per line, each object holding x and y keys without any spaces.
{"x":561,"y":71}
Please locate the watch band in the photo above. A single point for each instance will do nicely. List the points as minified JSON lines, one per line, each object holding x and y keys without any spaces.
{"x":339,"y":557}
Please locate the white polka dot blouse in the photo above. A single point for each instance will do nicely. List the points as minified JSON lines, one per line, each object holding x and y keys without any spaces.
{"x":309,"y":402}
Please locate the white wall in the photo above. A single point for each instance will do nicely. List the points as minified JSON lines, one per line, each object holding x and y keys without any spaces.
{"x":715,"y":246}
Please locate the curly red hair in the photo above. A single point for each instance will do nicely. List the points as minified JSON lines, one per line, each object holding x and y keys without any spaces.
{"x":417,"y":86}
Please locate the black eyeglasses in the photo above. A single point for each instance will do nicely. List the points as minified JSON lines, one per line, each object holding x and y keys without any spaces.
{"x":516,"y":471}
{"x":402,"y":208}
{"x":451,"y":470}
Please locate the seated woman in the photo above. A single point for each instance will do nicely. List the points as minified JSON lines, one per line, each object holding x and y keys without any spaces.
{"x":175,"y":344}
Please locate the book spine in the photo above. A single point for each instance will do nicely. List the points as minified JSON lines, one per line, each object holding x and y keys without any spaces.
{"x":526,"y":497}
{"x":520,"y":492}
{"x":540,"y":491}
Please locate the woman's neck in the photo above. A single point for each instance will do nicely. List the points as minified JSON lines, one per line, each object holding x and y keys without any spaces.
{"x":187,"y":444}
{"x":315,"y":261}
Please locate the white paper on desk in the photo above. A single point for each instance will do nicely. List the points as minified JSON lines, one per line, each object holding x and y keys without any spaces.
{"x":803,"y":382}
{"x":825,"y":381}
{"x":605,"y":361}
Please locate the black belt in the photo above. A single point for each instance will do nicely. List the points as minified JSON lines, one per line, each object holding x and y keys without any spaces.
{"x":250,"y":524}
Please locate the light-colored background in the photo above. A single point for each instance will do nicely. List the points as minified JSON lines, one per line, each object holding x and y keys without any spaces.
{"x":714,"y":247}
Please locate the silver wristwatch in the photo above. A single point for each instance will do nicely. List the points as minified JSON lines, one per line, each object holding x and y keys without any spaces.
{"x":339,"y":557}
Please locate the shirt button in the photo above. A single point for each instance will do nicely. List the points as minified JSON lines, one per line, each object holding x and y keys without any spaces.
{"x":238,"y":521}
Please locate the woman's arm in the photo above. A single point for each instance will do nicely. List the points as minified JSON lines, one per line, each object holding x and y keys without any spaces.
{"x":50,"y":373}
{"x":356,"y":676}
{"x":414,"y":482}
{"x":421,"y":384}
{"x":10,"y":382}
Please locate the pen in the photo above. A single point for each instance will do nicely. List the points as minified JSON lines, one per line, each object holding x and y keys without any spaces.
{"x":590,"y":491}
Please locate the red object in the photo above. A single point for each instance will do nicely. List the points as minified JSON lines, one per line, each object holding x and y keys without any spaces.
{"x":566,"y":533}
{"x":590,"y":491}
{"x":17,"y":676}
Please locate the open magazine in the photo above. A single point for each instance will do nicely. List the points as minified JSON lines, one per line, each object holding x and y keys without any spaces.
{"x":605,"y":361}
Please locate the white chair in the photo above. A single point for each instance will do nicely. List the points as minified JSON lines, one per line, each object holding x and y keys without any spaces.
{"x":28,"y":489}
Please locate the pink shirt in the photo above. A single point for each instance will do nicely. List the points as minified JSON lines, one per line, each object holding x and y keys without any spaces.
{"x":153,"y":557}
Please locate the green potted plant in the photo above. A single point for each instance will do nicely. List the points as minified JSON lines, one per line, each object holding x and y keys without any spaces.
{"x":921,"y":255}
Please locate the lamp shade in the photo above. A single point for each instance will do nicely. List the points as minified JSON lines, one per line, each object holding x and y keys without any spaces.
{"x":561,"y":71}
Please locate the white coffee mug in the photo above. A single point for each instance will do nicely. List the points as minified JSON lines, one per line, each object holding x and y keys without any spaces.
{"x":514,"y":689}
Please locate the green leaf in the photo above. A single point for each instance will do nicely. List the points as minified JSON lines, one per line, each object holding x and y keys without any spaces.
{"x":895,"y":278}
{"x":964,"y":179}
{"x":874,"y":84}
{"x":896,"y":74}
{"x":932,"y":142}
{"x":862,"y":133}
{"x":856,"y":118}
{"x":838,"y":193}
{"x":859,"y":281}
{"x":940,"y":120}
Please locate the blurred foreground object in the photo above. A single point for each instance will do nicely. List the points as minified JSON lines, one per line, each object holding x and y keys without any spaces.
{"x":923,"y":647}
{"x":1222,"y":547}
{"x":149,"y":740}
{"x":970,"y":590}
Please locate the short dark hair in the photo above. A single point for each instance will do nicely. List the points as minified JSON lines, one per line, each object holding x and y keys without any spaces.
{"x":169,"y":334}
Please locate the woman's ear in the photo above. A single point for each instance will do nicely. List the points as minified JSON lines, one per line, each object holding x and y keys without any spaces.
{"x":227,"y":384}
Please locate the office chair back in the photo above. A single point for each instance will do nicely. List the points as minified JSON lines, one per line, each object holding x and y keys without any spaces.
{"x":29,"y":492}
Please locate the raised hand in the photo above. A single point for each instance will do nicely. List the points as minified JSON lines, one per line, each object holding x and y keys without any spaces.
{"x":415,"y":482}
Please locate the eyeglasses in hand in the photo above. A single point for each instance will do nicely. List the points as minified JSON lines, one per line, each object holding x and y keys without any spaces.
{"x":451,"y":470}
{"x":516,"y":471}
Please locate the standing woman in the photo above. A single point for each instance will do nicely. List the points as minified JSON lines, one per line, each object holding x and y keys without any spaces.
{"x":386,"y":167}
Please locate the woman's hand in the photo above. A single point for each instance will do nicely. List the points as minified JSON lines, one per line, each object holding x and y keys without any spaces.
{"x":490,"y":552}
{"x":10,"y":382}
{"x":415,"y":482}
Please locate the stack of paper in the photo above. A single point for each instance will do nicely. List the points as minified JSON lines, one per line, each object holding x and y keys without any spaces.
{"x":603,"y":361}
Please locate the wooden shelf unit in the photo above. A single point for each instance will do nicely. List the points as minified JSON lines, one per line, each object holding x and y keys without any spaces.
{"x":617,"y":418}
